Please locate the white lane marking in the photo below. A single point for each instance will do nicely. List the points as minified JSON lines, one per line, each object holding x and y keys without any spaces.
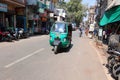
{"x":23,"y":58}
{"x":101,"y":61}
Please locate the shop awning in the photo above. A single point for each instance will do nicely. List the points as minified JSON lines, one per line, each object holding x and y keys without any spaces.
{"x":110,"y":16}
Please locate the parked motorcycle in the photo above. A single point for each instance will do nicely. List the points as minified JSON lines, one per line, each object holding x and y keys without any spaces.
{"x":14,"y":34}
{"x":114,"y":56}
{"x":22,"y":33}
{"x":4,"y":33}
{"x":5,"y":36}
{"x":114,"y":63}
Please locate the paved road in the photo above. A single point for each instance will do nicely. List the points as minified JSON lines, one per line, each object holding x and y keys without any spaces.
{"x":32,"y":59}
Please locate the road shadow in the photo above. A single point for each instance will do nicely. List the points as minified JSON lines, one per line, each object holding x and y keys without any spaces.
{"x":65,"y":50}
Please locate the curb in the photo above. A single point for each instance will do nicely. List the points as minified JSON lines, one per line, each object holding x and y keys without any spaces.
{"x":102,"y":46}
{"x":101,"y":52}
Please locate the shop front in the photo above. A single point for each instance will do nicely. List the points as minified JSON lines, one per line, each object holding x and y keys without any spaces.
{"x":3,"y":10}
{"x":37,"y":24}
{"x":110,"y":22}
{"x":43,"y":16}
{"x":21,"y":18}
{"x":10,"y":18}
{"x":8,"y":12}
{"x":47,"y":20}
{"x":44,"y":22}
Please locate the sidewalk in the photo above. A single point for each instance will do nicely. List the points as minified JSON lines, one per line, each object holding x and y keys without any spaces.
{"x":101,"y":51}
{"x":99,"y":44}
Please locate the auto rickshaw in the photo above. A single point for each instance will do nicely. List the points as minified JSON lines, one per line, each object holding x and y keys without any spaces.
{"x":60,"y":35}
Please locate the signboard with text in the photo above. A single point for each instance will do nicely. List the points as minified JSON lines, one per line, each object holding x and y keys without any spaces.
{"x":3,"y":7}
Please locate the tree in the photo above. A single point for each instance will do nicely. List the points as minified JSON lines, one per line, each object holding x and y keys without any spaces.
{"x":76,"y":11}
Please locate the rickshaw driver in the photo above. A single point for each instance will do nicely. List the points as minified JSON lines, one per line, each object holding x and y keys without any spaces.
{"x":70,"y":32}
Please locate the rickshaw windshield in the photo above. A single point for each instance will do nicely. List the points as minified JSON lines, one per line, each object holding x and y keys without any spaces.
{"x":59,"y":27}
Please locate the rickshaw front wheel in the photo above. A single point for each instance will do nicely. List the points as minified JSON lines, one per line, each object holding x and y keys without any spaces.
{"x":55,"y":49}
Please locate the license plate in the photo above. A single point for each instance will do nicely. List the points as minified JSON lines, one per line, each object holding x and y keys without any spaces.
{"x":56,"y":42}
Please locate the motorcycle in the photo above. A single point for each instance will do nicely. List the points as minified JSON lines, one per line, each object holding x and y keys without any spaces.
{"x":22,"y":33}
{"x":114,"y":63}
{"x":113,"y":60}
{"x":59,"y":36}
{"x":14,"y":34}
{"x":5,"y":36}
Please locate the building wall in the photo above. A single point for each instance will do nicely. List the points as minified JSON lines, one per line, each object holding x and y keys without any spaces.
{"x":13,"y":8}
{"x":91,"y":16}
{"x":22,"y":1}
{"x":100,"y":9}
{"x":31,"y":2}
{"x":103,"y":6}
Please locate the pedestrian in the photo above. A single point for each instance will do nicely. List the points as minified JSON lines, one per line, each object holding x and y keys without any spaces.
{"x":108,"y":32}
{"x":104,"y":37}
{"x":91,"y":29}
{"x":80,"y":29}
{"x":95,"y":32}
{"x":86,"y":31}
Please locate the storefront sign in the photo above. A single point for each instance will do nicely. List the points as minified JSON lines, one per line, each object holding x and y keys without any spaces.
{"x":3,"y":7}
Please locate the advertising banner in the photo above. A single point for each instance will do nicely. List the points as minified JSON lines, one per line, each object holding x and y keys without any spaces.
{"x":3,"y":7}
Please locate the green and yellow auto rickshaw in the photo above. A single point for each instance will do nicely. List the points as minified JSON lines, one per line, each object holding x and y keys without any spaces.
{"x":60,"y":35}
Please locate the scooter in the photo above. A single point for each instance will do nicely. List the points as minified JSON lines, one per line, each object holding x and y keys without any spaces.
{"x":14,"y":34}
{"x":22,"y":33}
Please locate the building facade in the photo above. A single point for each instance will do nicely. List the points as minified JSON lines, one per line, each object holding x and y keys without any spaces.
{"x":100,"y":9}
{"x":9,"y":11}
{"x":91,"y":15}
{"x":32,"y":15}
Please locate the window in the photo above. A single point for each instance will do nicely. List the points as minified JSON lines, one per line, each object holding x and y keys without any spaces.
{"x":59,"y":27}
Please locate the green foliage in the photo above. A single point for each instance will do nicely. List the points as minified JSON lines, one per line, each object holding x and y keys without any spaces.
{"x":75,"y":10}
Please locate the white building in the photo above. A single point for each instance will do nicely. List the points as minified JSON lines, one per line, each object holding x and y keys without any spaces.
{"x":61,"y":14}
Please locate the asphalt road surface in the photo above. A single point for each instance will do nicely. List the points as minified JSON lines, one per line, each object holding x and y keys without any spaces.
{"x":33,"y":59}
